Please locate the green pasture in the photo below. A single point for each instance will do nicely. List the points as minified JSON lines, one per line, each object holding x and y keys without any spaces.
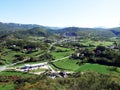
{"x":6,"y":86}
{"x":8,"y":55}
{"x":62,"y":48}
{"x":63,"y":54}
{"x":94,"y":67}
{"x":15,"y":73}
{"x":71,"y":65}
{"x":95,"y":43}
{"x":67,"y":64}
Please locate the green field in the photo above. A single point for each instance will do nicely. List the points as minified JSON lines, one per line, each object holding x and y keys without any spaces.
{"x":67,"y":64}
{"x":9,"y":85}
{"x":59,"y":55}
{"x":15,"y":73}
{"x":88,"y":42}
{"x":6,"y":86}
{"x":94,"y":67}
{"x":62,"y":48}
{"x":9,"y":55}
{"x":36,"y":53}
{"x":35,"y":38}
{"x":70,"y":65}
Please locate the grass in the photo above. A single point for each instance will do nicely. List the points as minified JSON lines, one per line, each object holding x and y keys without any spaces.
{"x":10,"y":85}
{"x":94,"y":67}
{"x":59,"y":55}
{"x":9,"y":55}
{"x":6,"y":86}
{"x":96,"y":43}
{"x":14,"y":73}
{"x":38,"y":70}
{"x":103,"y":43}
{"x":37,"y":53}
{"x":70,"y":65}
{"x":67,"y":64}
{"x":35,"y":38}
{"x":62,"y":48}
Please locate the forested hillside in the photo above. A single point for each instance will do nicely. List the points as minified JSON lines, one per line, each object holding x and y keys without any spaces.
{"x":33,"y":29}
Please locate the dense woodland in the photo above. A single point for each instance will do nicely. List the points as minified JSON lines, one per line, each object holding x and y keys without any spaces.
{"x":100,"y":55}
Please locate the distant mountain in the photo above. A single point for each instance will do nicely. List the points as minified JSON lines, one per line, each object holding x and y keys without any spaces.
{"x":22,"y":30}
{"x":22,"y":34}
{"x":85,"y":32}
{"x":38,"y":30}
{"x":100,"y":28}
{"x":15,"y":27}
{"x":116,"y":31}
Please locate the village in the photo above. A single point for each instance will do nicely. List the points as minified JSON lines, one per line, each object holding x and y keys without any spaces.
{"x":45,"y":67}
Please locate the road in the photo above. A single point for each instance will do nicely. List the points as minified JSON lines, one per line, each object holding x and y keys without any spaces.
{"x":19,"y":62}
{"x":56,"y":43}
{"x":61,"y":58}
{"x":2,"y":68}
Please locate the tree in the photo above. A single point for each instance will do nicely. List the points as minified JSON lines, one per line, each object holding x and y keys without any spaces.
{"x":0,"y":55}
{"x":101,"y":48}
{"x":117,"y":59}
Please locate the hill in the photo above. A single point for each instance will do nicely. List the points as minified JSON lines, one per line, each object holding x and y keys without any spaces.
{"x":23,"y":30}
{"x":15,"y":26}
{"x":38,"y":30}
{"x":75,"y":31}
{"x":116,"y":31}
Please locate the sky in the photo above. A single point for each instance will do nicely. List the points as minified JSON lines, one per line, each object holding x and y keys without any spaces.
{"x":62,"y":13}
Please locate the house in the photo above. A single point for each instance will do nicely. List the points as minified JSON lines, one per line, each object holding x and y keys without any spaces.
{"x":63,"y":74}
{"x":34,"y":66}
{"x":78,"y":54}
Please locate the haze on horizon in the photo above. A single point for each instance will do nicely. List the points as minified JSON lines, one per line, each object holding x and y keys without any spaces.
{"x":62,"y":13}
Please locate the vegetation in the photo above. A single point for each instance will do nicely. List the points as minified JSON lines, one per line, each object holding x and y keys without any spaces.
{"x":76,"y":81}
{"x":99,"y":55}
{"x":6,"y":86}
{"x":88,"y":56}
{"x":73,"y":65}
{"x":61,"y":52}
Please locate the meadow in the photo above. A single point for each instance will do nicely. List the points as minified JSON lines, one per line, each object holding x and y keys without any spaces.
{"x":88,"y":42}
{"x":6,"y":86}
{"x":71,"y":65}
{"x":65,"y":52}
